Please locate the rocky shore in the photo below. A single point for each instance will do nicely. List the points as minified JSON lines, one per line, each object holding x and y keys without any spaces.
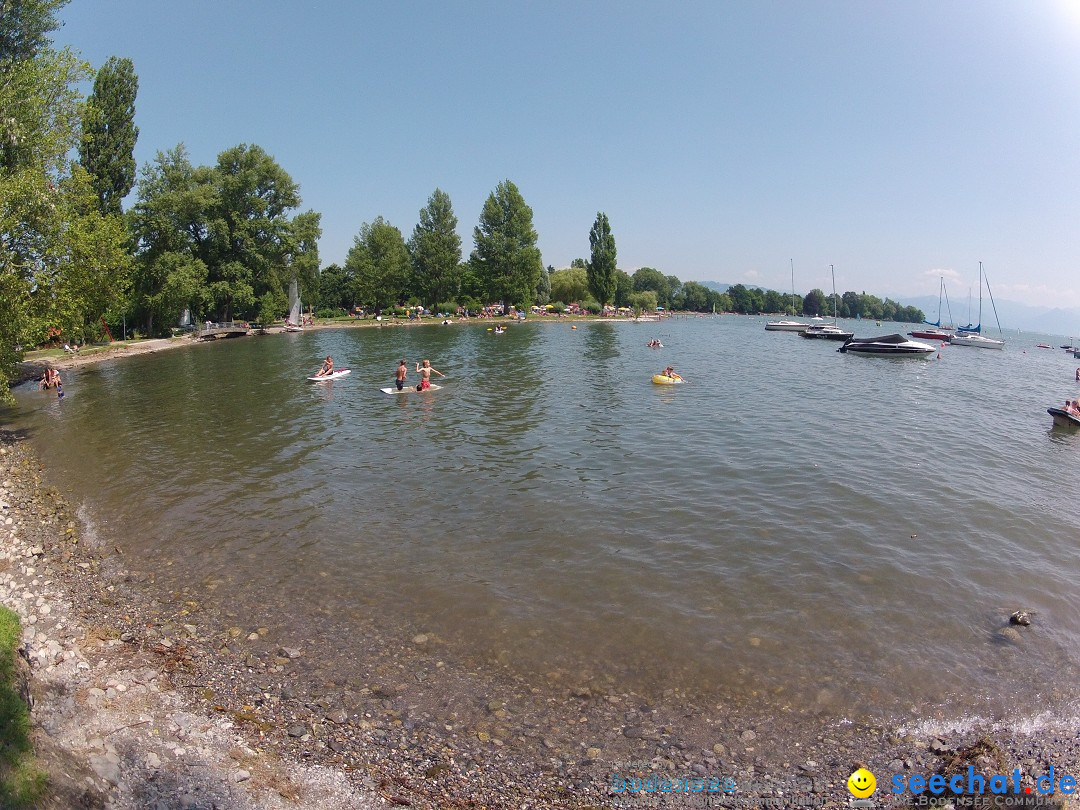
{"x":148,"y":702}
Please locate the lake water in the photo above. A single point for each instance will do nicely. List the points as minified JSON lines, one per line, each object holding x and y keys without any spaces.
{"x":845,"y":532}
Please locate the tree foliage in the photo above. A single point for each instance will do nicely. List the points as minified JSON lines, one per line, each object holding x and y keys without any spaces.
{"x":379,"y":262}
{"x":435,"y":248}
{"x":569,"y":285}
{"x":107,"y":148}
{"x":601,"y":268}
{"x":231,"y":233}
{"x":505,"y":256}
{"x":62,"y":264}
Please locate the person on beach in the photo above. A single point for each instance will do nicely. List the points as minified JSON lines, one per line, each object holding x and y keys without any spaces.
{"x":402,"y":371}
{"x":425,"y":375}
{"x":327,"y":367}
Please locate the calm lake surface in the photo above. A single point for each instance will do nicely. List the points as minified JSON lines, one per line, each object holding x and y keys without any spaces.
{"x":792,"y":525}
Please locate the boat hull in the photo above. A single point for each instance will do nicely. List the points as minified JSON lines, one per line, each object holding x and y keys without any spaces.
{"x":977,"y":342}
{"x":785,"y":326}
{"x":927,"y":334}
{"x":1062,"y":418}
{"x":887,"y":346}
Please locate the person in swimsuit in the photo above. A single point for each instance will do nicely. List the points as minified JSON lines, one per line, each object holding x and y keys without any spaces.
{"x":327,"y":367}
{"x":402,"y":370}
{"x":670,"y":372}
{"x":425,"y":375}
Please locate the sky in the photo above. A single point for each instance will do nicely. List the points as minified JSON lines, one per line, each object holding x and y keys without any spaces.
{"x":725,"y":140}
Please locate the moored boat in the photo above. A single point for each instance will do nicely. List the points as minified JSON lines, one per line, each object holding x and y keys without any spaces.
{"x":826,"y":331}
{"x":888,"y":346}
{"x":977,"y":341}
{"x":932,"y":334}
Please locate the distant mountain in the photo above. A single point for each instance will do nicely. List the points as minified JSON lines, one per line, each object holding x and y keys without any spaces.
{"x":1014,"y":315}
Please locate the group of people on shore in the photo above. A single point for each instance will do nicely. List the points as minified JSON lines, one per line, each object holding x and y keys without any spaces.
{"x":425,"y":370}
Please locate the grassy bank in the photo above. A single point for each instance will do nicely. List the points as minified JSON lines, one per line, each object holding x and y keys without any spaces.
{"x":22,"y":782}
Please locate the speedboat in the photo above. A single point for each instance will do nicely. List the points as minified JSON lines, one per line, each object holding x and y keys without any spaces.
{"x":826,"y":331}
{"x":785,"y":326}
{"x":976,"y":340}
{"x":889,"y":345}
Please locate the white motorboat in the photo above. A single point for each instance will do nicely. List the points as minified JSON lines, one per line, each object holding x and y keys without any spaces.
{"x":887,"y":345}
{"x":785,"y":326}
{"x":976,"y":340}
{"x":826,"y":331}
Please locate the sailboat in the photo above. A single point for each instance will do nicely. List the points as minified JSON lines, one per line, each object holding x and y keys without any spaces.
{"x":792,"y":325}
{"x":292,"y":320}
{"x":828,"y":331}
{"x":939,"y":332}
{"x":972,"y":335}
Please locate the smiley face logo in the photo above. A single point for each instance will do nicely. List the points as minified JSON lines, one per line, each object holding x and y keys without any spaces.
{"x":861,"y":783}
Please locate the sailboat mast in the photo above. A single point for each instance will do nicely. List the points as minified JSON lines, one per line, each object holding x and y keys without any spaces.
{"x":980,"y":297}
{"x":833,"y":271}
{"x":792,"y":287}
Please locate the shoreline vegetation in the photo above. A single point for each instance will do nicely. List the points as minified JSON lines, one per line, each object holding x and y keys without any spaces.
{"x":144,"y":701}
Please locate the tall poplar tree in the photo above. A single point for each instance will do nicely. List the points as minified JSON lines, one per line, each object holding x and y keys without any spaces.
{"x":435,"y":248}
{"x":601,"y":268}
{"x":506,"y":256}
{"x":107,"y":149}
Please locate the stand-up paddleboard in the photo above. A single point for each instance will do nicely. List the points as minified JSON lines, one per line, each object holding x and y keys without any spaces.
{"x":333,"y":375}
{"x":410,"y":389}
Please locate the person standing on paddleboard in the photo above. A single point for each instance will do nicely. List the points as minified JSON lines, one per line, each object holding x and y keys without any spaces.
{"x":327,"y":367}
{"x":425,"y":375}
{"x":402,"y":371}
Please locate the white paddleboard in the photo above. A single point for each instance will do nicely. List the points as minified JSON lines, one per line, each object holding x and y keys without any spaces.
{"x":333,"y":375}
{"x":409,"y":389}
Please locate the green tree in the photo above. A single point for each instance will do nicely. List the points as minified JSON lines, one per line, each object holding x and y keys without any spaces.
{"x":814,"y":303}
{"x":644,"y":301}
{"x":505,"y":254}
{"x":579,"y":263}
{"x":569,"y":285}
{"x":107,"y":148}
{"x":335,"y":288}
{"x":62,"y":265}
{"x":435,"y":248}
{"x":696,"y":297}
{"x":624,"y":288}
{"x":849,"y":307}
{"x":253,"y":246}
{"x":169,"y":224}
{"x":601,"y":268}
{"x":543,"y":287}
{"x":649,"y":278}
{"x":379,"y":261}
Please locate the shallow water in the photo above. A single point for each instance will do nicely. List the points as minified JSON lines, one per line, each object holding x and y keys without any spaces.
{"x":844,"y":532}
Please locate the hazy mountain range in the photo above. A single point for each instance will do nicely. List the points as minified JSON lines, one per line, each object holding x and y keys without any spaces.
{"x":1013,"y":315}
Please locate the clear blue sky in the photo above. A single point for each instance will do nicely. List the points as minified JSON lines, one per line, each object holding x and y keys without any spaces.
{"x":897,"y":141}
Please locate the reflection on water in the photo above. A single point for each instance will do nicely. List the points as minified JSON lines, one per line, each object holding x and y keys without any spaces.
{"x":789,"y":519}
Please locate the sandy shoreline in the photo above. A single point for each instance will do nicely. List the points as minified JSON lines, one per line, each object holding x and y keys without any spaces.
{"x":142,"y":700}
